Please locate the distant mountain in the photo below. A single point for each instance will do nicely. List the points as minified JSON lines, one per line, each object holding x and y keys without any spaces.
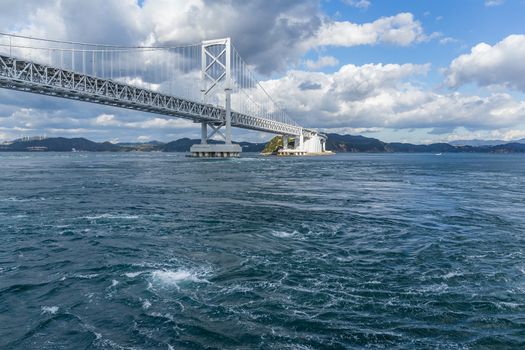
{"x":60,"y":144}
{"x":335,"y":142}
{"x":410,"y":148}
{"x":478,"y":143}
{"x":514,"y":147}
{"x":350,"y":143}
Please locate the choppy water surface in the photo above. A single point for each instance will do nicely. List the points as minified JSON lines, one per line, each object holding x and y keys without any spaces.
{"x":159,"y":251}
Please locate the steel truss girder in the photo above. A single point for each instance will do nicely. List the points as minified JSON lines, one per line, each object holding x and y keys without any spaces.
{"x":42,"y":79}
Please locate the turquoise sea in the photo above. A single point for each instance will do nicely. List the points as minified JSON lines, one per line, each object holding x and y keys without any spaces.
{"x":352,"y":251}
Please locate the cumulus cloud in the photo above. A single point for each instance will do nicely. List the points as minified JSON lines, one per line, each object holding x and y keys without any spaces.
{"x":321,"y":62}
{"x":501,"y":64}
{"x":308,"y":85}
{"x":148,"y":123}
{"x":401,"y":29}
{"x":387,"y":96}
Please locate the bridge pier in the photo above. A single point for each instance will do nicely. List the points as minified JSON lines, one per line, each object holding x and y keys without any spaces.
{"x":206,"y":150}
{"x":216,"y":151}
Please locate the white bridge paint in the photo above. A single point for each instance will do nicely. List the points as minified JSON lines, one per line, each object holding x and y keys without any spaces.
{"x":304,"y":145}
{"x":314,"y":144}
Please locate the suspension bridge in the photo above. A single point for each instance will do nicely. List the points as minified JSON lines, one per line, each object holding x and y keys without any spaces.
{"x":208,"y":83}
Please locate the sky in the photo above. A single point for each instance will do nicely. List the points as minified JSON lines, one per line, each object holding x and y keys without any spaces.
{"x":417,"y":71}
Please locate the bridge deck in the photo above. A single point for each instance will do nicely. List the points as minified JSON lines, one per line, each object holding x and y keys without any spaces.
{"x":42,"y":79}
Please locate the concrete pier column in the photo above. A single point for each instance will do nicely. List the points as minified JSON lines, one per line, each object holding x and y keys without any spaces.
{"x":301,"y":142}
{"x":227,"y":92}
{"x":204,"y":133}
{"x":228,"y":126}
{"x":285,"y":141}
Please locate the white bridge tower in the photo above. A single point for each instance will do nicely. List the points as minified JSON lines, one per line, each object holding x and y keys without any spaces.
{"x":216,"y":74}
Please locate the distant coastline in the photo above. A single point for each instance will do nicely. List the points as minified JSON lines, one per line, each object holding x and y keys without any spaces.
{"x":336,"y":143}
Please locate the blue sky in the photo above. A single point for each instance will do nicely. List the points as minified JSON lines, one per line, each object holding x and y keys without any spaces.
{"x":467,"y":22}
{"x":413,"y":70}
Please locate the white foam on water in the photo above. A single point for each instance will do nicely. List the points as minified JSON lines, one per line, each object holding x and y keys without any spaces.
{"x":87,"y":277}
{"x":14,"y":199}
{"x":452,"y":274}
{"x":114,"y":283}
{"x":112,"y":217}
{"x":284,"y":234}
{"x":174,"y":278}
{"x":133,"y":274}
{"x":166,"y":316}
{"x":146,"y":304}
{"x":301,"y":347}
{"x":434,"y":288}
{"x":507,"y":305}
{"x":51,"y":310}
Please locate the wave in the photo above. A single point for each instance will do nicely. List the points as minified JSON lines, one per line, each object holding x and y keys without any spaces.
{"x":16,"y":199}
{"x":284,"y":234}
{"x":452,"y":274}
{"x":133,"y":274}
{"x":112,"y":217}
{"x":174,"y":278}
{"x":85,"y":276}
{"x":51,"y":310}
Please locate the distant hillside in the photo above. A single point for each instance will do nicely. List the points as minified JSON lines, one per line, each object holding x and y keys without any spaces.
{"x":60,"y":144}
{"x":335,"y":142}
{"x":478,"y":143}
{"x":350,"y":143}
